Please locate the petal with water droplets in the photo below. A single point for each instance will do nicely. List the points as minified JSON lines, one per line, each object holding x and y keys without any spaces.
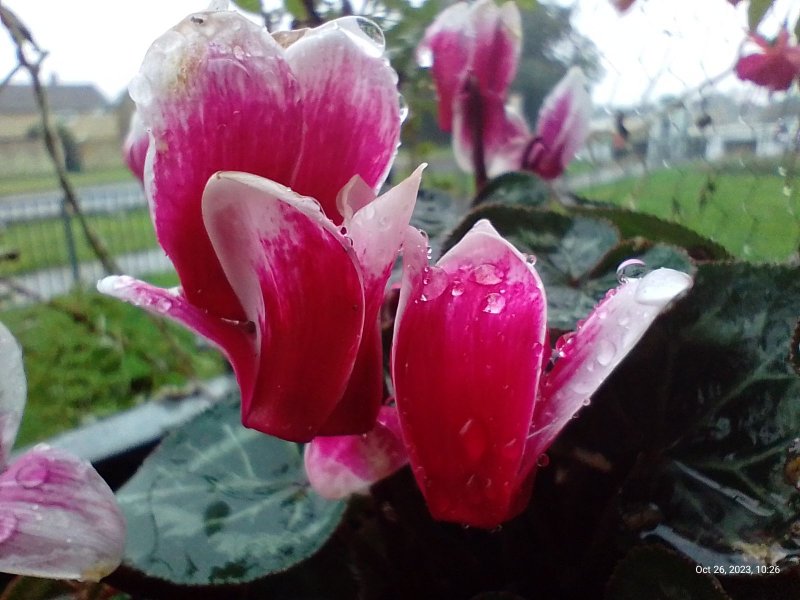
{"x":342,"y":465}
{"x":589,"y":356}
{"x":351,"y":123}
{"x":58,"y":518}
{"x":299,"y":283}
{"x":466,"y":362}
{"x":216,"y":93}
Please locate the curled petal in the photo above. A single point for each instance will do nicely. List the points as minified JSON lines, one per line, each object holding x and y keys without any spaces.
{"x":351,"y":120}
{"x":588,"y":356}
{"x":376,"y":230}
{"x":562,"y":127}
{"x":12,"y":392}
{"x":343,"y":465}
{"x":216,"y":93}
{"x":466,"y":362}
{"x":299,"y":283}
{"x":58,"y":518}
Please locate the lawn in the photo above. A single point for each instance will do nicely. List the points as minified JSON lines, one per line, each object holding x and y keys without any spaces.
{"x":752,"y":212}
{"x":23,"y":184}
{"x":109,"y":358}
{"x":42,"y":243}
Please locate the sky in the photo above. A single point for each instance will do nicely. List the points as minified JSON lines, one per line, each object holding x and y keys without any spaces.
{"x":659,"y":47}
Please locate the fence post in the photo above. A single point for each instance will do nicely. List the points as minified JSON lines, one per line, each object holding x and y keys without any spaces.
{"x":72,"y":254}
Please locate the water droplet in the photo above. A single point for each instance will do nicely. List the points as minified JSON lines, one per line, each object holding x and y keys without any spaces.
{"x":606,"y":351}
{"x":486,"y":274}
{"x":474,"y":440}
{"x":32,"y":474}
{"x":365,"y":33}
{"x":629,"y":269}
{"x":586,"y":401}
{"x":8,"y":525}
{"x":543,"y":460}
{"x":403,"y":107}
{"x":563,"y":341}
{"x":435,"y":281}
{"x":494,"y":304}
{"x":661,"y":286}
{"x":537,"y":350}
{"x":457,"y":289}
{"x":238,"y":52}
{"x":530,"y":259}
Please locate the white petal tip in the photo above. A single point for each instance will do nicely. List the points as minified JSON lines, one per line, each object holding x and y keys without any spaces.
{"x":661,"y":286}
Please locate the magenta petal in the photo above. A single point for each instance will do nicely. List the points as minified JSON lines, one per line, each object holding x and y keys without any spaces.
{"x":601,"y":342}
{"x":377,"y":229}
{"x":466,"y":363}
{"x":12,"y":391}
{"x":296,"y":277}
{"x":352,"y":111}
{"x":58,"y":518}
{"x":217,"y":94}
{"x":562,"y":128}
{"x":343,"y":465}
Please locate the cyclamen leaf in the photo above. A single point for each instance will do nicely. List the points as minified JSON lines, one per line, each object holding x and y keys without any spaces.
{"x":756,"y":11}
{"x":220,"y":504}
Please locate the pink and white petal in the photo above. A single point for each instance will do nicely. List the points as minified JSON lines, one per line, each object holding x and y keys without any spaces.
{"x":590,"y":354}
{"x":355,"y":195}
{"x":377,"y":230}
{"x":343,"y":465}
{"x":504,"y":135}
{"x":134,"y":149}
{"x":297,"y":278}
{"x":216,"y":94}
{"x":466,"y":363}
{"x":352,"y":111}
{"x":563,"y":126}
{"x":12,"y":392}
{"x":58,"y":518}
{"x":236,"y":339}
{"x":498,"y":43}
{"x":448,"y":47}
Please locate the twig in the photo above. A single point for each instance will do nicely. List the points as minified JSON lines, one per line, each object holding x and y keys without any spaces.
{"x":21,"y":37}
{"x":8,"y":77}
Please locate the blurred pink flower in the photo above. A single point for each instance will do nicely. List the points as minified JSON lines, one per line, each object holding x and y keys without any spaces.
{"x":776,"y":66}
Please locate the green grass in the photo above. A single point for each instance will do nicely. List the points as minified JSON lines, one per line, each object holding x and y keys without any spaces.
{"x":22,"y":184}
{"x":42,"y":243}
{"x":753,"y":213}
{"x":78,"y":371}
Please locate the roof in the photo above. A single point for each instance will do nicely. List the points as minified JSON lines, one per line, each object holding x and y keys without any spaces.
{"x":80,"y":98}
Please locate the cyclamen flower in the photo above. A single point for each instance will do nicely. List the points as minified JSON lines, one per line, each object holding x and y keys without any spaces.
{"x":58,"y":518}
{"x":474,"y":52}
{"x":775,"y":67}
{"x":476,"y":406}
{"x":260,"y":149}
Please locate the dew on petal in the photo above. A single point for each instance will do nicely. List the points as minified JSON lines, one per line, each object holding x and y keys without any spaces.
{"x":434,"y":281}
{"x":563,"y":341}
{"x":494,"y":304}
{"x":530,"y":259}
{"x":404,"y":110}
{"x":363,"y":32}
{"x":543,"y":460}
{"x":486,"y":274}
{"x":8,"y":525}
{"x":606,"y":350}
{"x":629,"y":269}
{"x":32,"y":475}
{"x":457,"y":289}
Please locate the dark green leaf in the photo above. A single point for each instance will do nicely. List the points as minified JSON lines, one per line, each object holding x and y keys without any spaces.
{"x":794,"y":348}
{"x":657,"y":573}
{"x":296,"y":8}
{"x":711,"y":401}
{"x":220,"y":504}
{"x":33,"y":588}
{"x":514,"y":188}
{"x":253,"y":6}
{"x":756,"y":11}
{"x":635,"y":224}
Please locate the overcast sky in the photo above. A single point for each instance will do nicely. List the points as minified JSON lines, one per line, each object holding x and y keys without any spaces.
{"x":658,"y":47}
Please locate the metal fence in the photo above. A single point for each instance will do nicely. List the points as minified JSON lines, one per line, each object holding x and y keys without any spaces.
{"x":45,"y":252}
